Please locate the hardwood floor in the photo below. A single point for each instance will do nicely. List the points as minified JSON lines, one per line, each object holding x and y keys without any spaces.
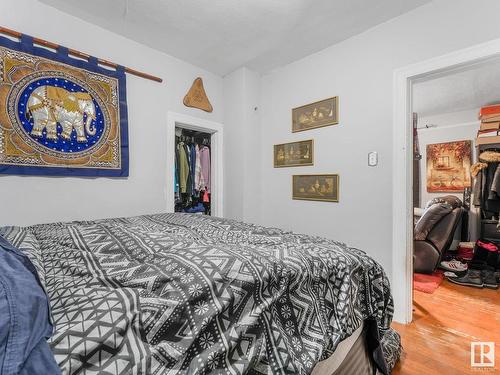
{"x":444,"y":324}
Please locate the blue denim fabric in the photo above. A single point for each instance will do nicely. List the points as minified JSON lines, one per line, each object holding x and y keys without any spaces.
{"x":24,"y":317}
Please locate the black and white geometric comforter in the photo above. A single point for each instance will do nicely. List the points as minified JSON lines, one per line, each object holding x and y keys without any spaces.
{"x":191,"y":294}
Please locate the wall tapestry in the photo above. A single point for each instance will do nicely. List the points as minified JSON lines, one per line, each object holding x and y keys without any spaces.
{"x":316,"y":115}
{"x":448,"y":166}
{"x":318,"y":187}
{"x":60,"y":115}
{"x":294,"y":154}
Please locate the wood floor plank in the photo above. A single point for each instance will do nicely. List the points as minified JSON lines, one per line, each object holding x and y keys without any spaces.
{"x":444,"y":324}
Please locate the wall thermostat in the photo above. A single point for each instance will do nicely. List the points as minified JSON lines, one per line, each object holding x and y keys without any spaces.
{"x":373,"y":158}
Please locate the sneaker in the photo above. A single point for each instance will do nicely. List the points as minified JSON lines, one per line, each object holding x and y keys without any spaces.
{"x":471,"y":278}
{"x":453,"y":265}
{"x":489,"y":279}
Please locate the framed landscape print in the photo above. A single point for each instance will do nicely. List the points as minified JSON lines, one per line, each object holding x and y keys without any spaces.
{"x":316,"y":187}
{"x":316,"y":115}
{"x":448,"y":166}
{"x":294,"y":154}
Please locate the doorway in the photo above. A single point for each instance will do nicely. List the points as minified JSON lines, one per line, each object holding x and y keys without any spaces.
{"x":216,"y":132}
{"x":403,"y":156}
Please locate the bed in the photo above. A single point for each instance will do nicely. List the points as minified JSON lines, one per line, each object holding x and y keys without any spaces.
{"x":192,"y":294}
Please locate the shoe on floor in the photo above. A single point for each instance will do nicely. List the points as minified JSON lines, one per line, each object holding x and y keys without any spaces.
{"x":489,"y":279}
{"x":453,"y":265}
{"x":471,"y":278}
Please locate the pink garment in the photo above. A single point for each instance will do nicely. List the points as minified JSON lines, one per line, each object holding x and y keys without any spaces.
{"x":198,"y":178}
{"x":205,"y":167}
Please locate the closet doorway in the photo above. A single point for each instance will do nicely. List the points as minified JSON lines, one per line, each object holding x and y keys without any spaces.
{"x":192,"y":171}
{"x":205,"y":133}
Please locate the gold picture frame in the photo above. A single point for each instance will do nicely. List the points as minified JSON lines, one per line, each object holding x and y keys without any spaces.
{"x":316,"y":115}
{"x":448,"y":166}
{"x":316,"y":187}
{"x":294,"y":154}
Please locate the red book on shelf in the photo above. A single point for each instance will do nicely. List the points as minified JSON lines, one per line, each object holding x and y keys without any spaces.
{"x":489,"y":110}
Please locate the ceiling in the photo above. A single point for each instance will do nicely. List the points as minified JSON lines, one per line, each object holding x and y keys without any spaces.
{"x":223,"y":35}
{"x":458,"y":90}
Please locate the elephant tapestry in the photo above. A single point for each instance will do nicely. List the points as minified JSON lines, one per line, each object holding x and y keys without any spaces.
{"x":60,"y":115}
{"x":448,"y":166}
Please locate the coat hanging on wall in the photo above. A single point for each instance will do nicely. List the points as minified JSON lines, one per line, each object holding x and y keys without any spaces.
{"x":197,"y":97}
{"x":60,"y":115}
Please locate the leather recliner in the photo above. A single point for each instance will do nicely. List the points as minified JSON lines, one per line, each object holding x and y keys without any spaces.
{"x":428,"y":253}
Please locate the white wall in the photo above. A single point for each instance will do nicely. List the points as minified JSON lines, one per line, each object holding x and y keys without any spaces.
{"x":242,"y":154}
{"x":457,"y":126}
{"x":360,"y":71}
{"x":234,"y":102}
{"x":27,"y":200}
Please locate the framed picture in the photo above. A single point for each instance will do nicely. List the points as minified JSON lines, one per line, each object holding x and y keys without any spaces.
{"x":294,"y":154}
{"x":448,"y":166}
{"x":316,"y":187}
{"x":316,"y":115}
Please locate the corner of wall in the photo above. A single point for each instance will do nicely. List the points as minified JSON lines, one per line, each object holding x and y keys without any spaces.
{"x":241,"y":93}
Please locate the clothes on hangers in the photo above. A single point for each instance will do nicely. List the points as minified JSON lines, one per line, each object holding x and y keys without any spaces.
{"x":183,"y":167}
{"x":192,"y":166}
{"x":198,"y":177}
{"x":486,"y":188}
{"x":176,"y":170}
{"x":205,"y":168}
{"x":192,"y":173}
{"x":189,"y":180}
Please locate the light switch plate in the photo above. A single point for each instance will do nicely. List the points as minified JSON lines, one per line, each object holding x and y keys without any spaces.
{"x":373,"y":158}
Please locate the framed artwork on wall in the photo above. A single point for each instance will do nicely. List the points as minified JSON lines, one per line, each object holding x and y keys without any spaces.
{"x":316,"y":115}
{"x":448,"y":166}
{"x":316,"y":187}
{"x":294,"y":154}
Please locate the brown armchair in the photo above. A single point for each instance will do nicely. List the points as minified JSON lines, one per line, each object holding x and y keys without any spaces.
{"x":428,"y":253}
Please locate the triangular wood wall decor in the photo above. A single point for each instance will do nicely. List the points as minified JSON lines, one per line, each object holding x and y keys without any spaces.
{"x":197,"y":97}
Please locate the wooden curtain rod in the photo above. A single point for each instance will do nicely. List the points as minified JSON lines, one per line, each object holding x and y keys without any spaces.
{"x":74,"y":52}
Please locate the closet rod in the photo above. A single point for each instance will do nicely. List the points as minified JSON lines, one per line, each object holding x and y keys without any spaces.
{"x":74,"y":52}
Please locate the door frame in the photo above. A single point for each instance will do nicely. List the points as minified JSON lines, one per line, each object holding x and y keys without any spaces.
{"x":402,"y":208}
{"x":216,"y":130}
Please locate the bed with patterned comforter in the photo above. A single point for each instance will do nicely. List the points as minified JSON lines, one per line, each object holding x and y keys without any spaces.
{"x":191,"y":294}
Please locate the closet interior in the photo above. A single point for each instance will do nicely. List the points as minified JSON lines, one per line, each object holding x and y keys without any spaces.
{"x":192,"y":171}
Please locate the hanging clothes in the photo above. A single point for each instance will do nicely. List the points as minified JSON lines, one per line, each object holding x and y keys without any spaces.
{"x":192,"y":167}
{"x":189,"y":182}
{"x":176,"y":171}
{"x":183,"y":168}
{"x":198,"y":177}
{"x":192,"y":172}
{"x":486,"y":188}
{"x":205,"y":168}
{"x":491,"y":188}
